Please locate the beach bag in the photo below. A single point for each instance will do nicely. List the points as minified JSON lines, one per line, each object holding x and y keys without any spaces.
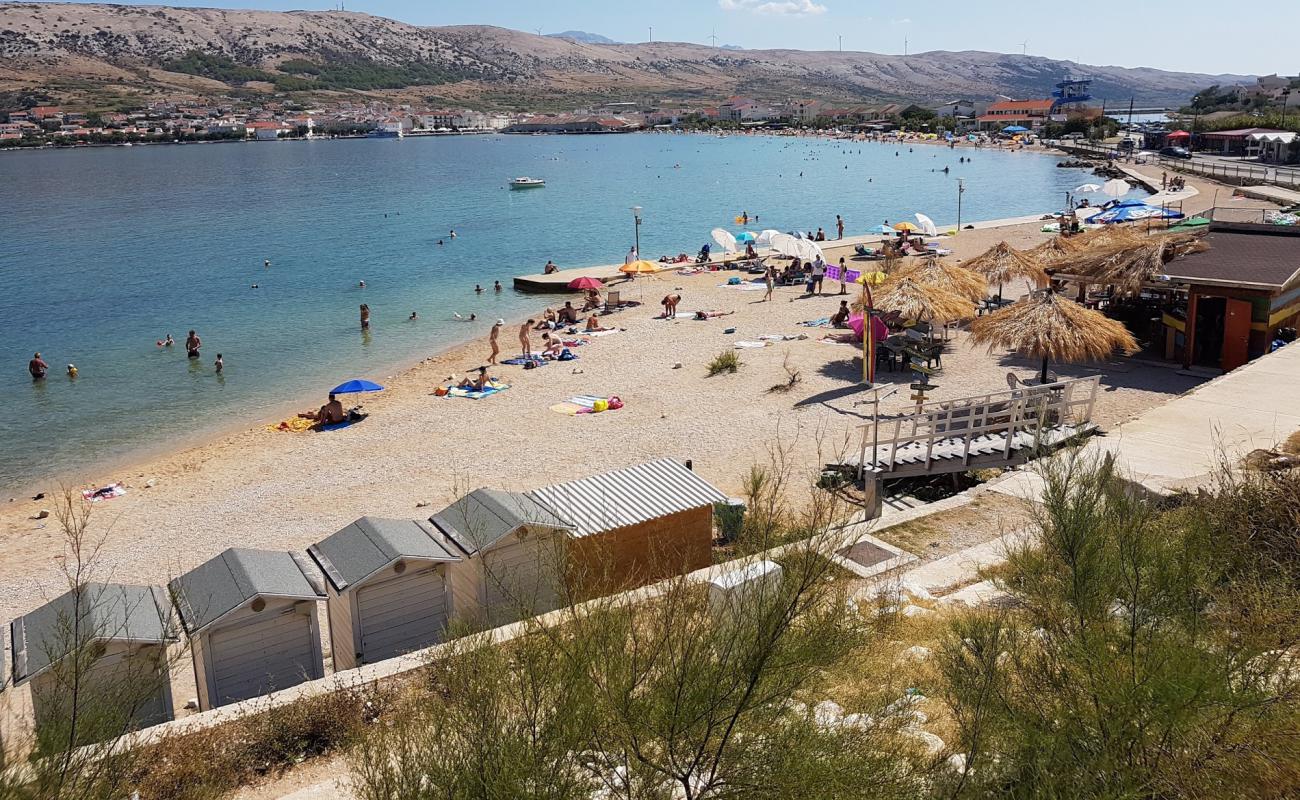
{"x":734,"y":280}
{"x":564,"y":355}
{"x":615,"y":403}
{"x":599,"y":406}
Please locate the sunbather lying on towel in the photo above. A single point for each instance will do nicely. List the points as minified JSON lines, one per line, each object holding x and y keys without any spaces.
{"x":711,"y":314}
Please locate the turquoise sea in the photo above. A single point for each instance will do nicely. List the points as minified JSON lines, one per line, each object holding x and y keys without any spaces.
{"x":104,"y":251}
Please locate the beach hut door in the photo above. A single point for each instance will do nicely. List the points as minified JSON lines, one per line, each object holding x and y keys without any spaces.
{"x":260,"y":655}
{"x":403,"y":613}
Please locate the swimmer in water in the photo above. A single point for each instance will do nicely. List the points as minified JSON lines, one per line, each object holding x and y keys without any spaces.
{"x":453,"y":233}
{"x":361,"y":284}
{"x":478,"y":289}
{"x":413,"y":316}
{"x":439,"y":241}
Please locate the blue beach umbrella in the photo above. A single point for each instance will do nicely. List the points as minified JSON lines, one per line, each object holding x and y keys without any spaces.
{"x":746,"y":237}
{"x":885,"y":229}
{"x":356,"y":385}
{"x":1015,"y":129}
{"x":1132,"y":211}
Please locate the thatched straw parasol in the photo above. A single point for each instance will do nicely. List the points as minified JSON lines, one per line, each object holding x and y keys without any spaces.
{"x":949,"y":277}
{"x":1128,"y":262}
{"x":1053,"y":328}
{"x":1002,"y":263}
{"x":916,"y":300}
{"x":1051,"y":251}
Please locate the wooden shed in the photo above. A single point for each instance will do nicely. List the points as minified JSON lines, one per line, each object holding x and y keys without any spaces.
{"x":635,"y":525}
{"x":251,"y":618}
{"x":512,"y":551}
{"x":386,"y":588}
{"x":125,"y":677}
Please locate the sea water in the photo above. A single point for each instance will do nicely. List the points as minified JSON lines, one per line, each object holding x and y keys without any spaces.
{"x":105,"y":251}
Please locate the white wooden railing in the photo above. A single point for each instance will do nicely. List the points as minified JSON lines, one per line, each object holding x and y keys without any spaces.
{"x":1029,"y":409}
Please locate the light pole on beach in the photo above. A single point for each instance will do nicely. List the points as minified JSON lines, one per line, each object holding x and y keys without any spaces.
{"x":636,"y":222}
{"x":961,"y":190}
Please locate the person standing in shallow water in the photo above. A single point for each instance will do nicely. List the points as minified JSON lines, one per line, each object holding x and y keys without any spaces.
{"x":37,"y":367}
{"x":365,"y":317}
{"x":192,"y":345}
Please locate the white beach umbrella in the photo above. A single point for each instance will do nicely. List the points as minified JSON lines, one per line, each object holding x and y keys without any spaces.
{"x":809,"y":250}
{"x":766,"y":236}
{"x":785,"y":244}
{"x":1087,"y":188}
{"x":927,"y":225}
{"x":724,"y":239}
{"x":1115,"y":188}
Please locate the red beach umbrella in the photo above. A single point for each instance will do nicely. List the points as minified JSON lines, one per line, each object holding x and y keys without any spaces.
{"x":1179,"y":135}
{"x":585,"y":283}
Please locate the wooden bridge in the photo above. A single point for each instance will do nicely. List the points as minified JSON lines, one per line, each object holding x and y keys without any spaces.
{"x":993,"y":430}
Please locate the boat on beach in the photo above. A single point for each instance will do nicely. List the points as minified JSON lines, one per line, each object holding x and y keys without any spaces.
{"x":527,"y":183}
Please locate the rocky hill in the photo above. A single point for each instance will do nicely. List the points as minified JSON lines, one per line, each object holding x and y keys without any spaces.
{"x":120,"y":50}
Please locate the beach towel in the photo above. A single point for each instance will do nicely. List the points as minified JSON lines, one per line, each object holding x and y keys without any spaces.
{"x":742,"y":345}
{"x":337,"y":426}
{"x":610,"y":332}
{"x":519,"y":361}
{"x":823,"y":322}
{"x":585,"y":404}
{"x":751,"y":287}
{"x":103,"y":493}
{"x":474,"y":394}
{"x":782,"y":337}
{"x":294,"y":425}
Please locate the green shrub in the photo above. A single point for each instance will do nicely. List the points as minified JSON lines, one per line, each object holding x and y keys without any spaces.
{"x":726,"y":361}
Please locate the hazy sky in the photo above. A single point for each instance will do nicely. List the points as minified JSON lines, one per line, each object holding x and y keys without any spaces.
{"x":1191,"y":35}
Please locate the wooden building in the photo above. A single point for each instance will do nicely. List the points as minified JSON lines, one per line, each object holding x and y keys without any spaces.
{"x":130,"y":627}
{"x":386,"y":588}
{"x":251,"y":619}
{"x":1240,"y":294}
{"x":635,"y":525}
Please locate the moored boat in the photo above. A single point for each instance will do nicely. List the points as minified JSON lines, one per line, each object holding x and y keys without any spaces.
{"x":527,"y":183}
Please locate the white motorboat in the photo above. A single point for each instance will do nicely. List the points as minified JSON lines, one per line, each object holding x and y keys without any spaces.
{"x":527,"y":183}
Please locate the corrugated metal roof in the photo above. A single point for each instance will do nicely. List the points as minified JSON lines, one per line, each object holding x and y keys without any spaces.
{"x":102,"y":612}
{"x":627,"y":496}
{"x":215,"y":588}
{"x":485,"y":516}
{"x":358,"y":551}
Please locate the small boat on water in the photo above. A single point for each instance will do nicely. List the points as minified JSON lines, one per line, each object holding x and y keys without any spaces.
{"x":527,"y":183}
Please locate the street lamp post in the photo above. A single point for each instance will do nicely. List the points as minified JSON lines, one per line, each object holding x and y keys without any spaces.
{"x":636,"y":221}
{"x":961,"y":189}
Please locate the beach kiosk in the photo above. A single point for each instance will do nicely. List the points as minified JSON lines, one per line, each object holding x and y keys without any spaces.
{"x":251,"y":619}
{"x":129,"y":628}
{"x":386,"y":588}
{"x":634,"y":525}
{"x":512,"y":552}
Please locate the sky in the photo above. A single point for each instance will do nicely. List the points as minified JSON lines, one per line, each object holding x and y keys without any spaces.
{"x":1183,"y":35}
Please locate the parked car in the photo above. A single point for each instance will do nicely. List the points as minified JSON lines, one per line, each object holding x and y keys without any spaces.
{"x":1072,"y":136}
{"x":1175,"y":152}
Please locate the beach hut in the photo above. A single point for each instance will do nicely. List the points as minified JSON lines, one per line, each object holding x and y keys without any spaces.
{"x":111,"y":639}
{"x":634,"y":525}
{"x":251,"y":619}
{"x":386,"y":588}
{"x":511,"y":550}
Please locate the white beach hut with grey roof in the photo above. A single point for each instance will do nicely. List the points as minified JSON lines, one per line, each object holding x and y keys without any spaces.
{"x":513,"y":553}
{"x":386,"y":587}
{"x":251,"y":619}
{"x":124,"y":679}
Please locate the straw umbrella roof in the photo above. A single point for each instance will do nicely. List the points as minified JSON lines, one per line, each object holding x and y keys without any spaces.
{"x":1002,"y":263}
{"x":1051,"y":251}
{"x":1053,"y":328}
{"x":949,"y":277}
{"x":920,"y":301}
{"x":1128,"y":262}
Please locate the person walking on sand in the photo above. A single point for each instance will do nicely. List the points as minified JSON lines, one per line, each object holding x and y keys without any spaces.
{"x":844,"y":273}
{"x":365,"y":317}
{"x":818,"y":274}
{"x":492,"y":340}
{"x":37,"y":367}
{"x":192,"y":345}
{"x":523,"y":336}
{"x":839,"y":225}
{"x":770,"y":277}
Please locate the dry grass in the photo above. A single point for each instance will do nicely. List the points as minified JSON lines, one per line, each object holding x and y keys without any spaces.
{"x":1049,"y":326}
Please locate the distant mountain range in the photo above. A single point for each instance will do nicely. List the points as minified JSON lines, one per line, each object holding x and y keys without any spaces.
{"x":584,"y":37}
{"x":117,"y":54}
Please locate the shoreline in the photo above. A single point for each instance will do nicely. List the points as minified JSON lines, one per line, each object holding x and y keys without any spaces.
{"x":140,"y":458}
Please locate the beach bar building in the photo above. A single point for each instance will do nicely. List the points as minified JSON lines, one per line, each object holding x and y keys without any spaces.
{"x":251,"y":619}
{"x":635,"y":525}
{"x":1240,"y":294}
{"x":129,"y":627}
{"x":386,"y":588}
{"x":512,"y":554}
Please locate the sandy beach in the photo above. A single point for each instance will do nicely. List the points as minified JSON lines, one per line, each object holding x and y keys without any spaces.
{"x":417,"y":451}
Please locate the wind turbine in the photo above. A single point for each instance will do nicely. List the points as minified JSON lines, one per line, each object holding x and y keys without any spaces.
{"x":1024,"y":48}
{"x":713,"y":37}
